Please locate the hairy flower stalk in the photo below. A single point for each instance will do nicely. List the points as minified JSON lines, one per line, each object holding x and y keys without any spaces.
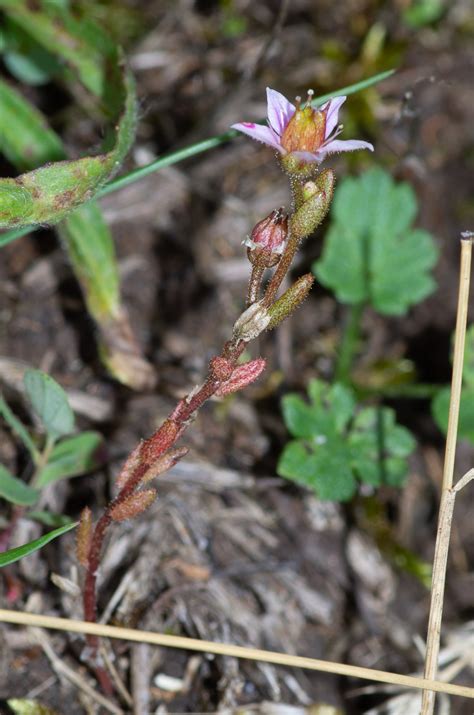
{"x":303,"y":137}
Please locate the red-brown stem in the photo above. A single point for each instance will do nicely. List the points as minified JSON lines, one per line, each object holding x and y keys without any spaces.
{"x":164,"y":438}
{"x":288,"y":254}
{"x":282,"y":268}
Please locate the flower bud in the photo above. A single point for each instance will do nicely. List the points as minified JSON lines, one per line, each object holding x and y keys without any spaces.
{"x":251,"y":323}
{"x":220,"y":368}
{"x":267,"y":240}
{"x":290,"y":300}
{"x":242,"y":376}
{"x":316,"y":199}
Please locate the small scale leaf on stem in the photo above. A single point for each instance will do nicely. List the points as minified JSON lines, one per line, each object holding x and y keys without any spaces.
{"x":242,"y":376}
{"x":84,"y":534}
{"x":168,"y":460}
{"x":133,"y":505}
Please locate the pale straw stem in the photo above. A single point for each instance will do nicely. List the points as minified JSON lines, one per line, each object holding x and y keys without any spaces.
{"x":202,"y":646}
{"x":448,"y":494}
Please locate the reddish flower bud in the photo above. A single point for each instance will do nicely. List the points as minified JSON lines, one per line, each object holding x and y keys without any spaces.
{"x":269,"y":235}
{"x":133,"y":505}
{"x":83,"y":536}
{"x":220,"y":368}
{"x":242,"y":376}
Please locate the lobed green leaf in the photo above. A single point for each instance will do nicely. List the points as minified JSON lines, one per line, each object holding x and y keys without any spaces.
{"x":338,"y":444}
{"x":371,"y":253}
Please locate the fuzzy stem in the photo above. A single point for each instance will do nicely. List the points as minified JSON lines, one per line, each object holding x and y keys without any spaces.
{"x":448,"y":494}
{"x":289,"y":252}
{"x":179,"y":417}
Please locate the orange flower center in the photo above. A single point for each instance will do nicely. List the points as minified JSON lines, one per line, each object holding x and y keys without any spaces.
{"x":305,"y":131}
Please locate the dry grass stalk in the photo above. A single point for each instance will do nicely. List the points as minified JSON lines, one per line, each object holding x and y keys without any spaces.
{"x":448,"y":494}
{"x":194,"y":644}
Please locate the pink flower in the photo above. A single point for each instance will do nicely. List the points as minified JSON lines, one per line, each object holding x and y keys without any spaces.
{"x":307,"y":134}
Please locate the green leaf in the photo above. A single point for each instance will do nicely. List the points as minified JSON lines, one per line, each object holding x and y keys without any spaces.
{"x":423,"y":12}
{"x":84,"y":233}
{"x":25,"y":138}
{"x":47,"y":194}
{"x":50,"y":403}
{"x":71,"y":458}
{"x":371,"y":252}
{"x":9,"y":557}
{"x":440,"y":403}
{"x":25,"y":58}
{"x":193,"y":150}
{"x":301,"y":419}
{"x":297,"y":463}
{"x":24,"y":69}
{"x":27,"y":141}
{"x":15,"y":490}
{"x":334,"y":479}
{"x":18,"y":428}
{"x":468,"y":367}
{"x":48,"y":518}
{"x":91,"y":250}
{"x":338,"y":444}
{"x":440,"y":412}
{"x":80,"y":43}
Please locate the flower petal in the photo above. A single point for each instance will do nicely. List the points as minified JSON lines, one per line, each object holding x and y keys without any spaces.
{"x":341,"y":145}
{"x":259,"y":133}
{"x":279,"y":110}
{"x":332,"y":113}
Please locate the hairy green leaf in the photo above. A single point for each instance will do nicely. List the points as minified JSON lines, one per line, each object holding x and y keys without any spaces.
{"x":47,"y":194}
{"x":338,"y":443}
{"x":15,"y":490}
{"x":50,"y":403}
{"x":70,"y":458}
{"x":372,"y":254}
{"x":9,"y":557}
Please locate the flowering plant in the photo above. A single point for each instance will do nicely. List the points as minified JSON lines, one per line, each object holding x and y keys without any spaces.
{"x":303,"y":137}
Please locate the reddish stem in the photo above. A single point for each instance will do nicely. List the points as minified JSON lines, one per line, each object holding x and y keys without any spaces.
{"x":151,"y":449}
